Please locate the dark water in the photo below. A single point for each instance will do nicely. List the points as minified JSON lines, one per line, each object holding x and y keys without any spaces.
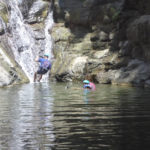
{"x":46,"y":116}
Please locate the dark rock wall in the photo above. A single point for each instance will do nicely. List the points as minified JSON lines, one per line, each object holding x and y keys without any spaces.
{"x":113,"y":34}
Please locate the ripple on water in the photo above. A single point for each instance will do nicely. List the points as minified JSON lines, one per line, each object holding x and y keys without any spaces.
{"x":47,"y":116}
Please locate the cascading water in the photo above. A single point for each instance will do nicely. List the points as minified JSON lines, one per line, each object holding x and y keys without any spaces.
{"x":48,"y":26}
{"x":48,"y":39}
{"x":23,"y":43}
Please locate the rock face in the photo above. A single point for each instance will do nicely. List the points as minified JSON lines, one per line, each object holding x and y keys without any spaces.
{"x":10,"y":72}
{"x":23,"y":35}
{"x":109,"y":39}
{"x":138,"y":34}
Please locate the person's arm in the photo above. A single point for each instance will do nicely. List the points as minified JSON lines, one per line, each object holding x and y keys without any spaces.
{"x":37,"y":59}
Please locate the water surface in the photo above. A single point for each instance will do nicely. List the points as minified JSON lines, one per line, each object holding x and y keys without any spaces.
{"x":49,"y":116}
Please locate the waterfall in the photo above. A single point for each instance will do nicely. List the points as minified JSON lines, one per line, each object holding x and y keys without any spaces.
{"x":48,"y":26}
{"x":48,"y":39}
{"x":22,"y":41}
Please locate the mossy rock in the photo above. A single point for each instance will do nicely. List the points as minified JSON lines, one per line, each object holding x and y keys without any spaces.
{"x":4,"y":12}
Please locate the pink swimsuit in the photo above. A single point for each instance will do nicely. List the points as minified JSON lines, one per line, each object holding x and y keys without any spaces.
{"x":92,"y":85}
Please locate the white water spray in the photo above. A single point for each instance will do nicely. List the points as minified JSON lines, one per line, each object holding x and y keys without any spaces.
{"x":22,"y":42}
{"x":48,"y":26}
{"x":48,"y":39}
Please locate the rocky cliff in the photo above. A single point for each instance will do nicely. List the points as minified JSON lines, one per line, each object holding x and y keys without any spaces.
{"x":107,"y":40}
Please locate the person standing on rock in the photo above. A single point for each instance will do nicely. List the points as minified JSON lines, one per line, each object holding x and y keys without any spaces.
{"x":44,"y":67}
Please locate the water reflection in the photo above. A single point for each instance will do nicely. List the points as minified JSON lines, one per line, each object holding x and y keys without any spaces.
{"x":85,"y":92}
{"x":45,"y":116}
{"x":27,"y":116}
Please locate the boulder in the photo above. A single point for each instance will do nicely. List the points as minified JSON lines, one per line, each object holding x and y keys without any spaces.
{"x":38,"y":11}
{"x":10,"y":73}
{"x":136,"y":73}
{"x":138,"y":34}
{"x":69,"y":67}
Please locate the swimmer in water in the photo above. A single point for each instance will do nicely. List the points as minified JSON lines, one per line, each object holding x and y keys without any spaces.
{"x":89,"y":85}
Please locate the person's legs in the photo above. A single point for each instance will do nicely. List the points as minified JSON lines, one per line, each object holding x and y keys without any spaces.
{"x":40,"y":77}
{"x":40,"y":72}
{"x":35,"y":76}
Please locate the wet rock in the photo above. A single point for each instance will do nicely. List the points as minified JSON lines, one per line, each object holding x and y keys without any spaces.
{"x":10,"y":73}
{"x":99,"y":45}
{"x":38,"y":11}
{"x":5,"y":78}
{"x":111,"y":36}
{"x":69,"y":67}
{"x":61,"y":33}
{"x":125,"y":48}
{"x":103,"y":36}
{"x":136,"y":73}
{"x":77,"y":66}
{"x":2,"y":26}
{"x":39,"y":35}
{"x":101,"y":54}
{"x":25,"y":6}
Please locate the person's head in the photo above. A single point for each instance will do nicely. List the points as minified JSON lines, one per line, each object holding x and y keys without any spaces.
{"x":86,"y":81}
{"x":86,"y":84}
{"x":46,"y":56}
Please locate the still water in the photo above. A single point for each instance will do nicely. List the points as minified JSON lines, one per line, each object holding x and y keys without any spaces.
{"x":47,"y":116}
